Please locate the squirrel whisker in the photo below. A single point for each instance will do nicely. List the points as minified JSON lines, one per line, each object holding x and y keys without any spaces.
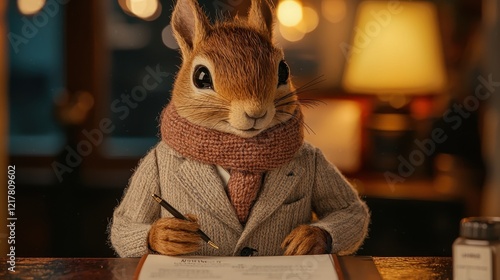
{"x":289,"y":103}
{"x":306,"y":87}
{"x":311,"y":103}
{"x":313,"y":82}
{"x":302,"y":122}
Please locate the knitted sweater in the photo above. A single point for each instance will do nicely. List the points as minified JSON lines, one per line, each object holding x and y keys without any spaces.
{"x":287,"y":198}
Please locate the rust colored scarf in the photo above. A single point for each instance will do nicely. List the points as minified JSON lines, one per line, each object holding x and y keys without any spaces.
{"x":246,"y":158}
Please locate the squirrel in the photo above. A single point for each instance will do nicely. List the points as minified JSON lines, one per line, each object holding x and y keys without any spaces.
{"x":232,"y":155}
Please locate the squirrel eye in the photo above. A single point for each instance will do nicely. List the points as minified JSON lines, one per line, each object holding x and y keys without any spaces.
{"x":283,"y":73}
{"x":202,"y":78}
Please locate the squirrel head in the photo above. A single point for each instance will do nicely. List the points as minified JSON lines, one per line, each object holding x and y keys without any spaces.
{"x":233,"y":78}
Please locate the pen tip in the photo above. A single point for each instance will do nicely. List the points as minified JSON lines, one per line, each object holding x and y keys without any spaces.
{"x":213,"y":245}
{"x":157,"y":198}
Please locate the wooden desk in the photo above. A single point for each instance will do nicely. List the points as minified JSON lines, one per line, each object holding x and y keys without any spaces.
{"x":116,"y":268}
{"x":421,"y":268}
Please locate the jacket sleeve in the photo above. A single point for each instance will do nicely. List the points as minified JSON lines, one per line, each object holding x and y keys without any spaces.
{"x":340,"y":210}
{"x":137,"y":210}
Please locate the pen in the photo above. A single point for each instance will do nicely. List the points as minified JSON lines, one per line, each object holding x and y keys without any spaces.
{"x":178,"y":215}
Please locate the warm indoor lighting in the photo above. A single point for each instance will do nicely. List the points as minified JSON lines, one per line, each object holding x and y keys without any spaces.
{"x":30,"y":7}
{"x":289,"y":12}
{"x":395,"y":100}
{"x":123,"y":4}
{"x":291,"y":34}
{"x":296,"y":32}
{"x":168,"y":39}
{"x":309,"y":20}
{"x":396,"y":48}
{"x":395,"y":53}
{"x":337,"y":127}
{"x":144,"y":9}
{"x":334,"y":10}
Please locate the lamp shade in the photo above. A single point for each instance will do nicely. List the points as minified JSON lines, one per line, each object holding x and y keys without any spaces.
{"x":396,"y":48}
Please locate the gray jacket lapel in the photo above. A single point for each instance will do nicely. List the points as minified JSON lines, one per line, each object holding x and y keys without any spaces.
{"x":277,"y":187}
{"x":203,"y":184}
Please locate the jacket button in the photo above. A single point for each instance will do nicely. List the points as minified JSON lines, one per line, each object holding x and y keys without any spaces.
{"x":247,"y":252}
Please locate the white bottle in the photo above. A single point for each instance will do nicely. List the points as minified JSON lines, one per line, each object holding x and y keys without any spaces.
{"x":476,"y":253}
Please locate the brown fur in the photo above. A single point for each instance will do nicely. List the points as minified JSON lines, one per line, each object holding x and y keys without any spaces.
{"x":171,"y":236}
{"x":243,"y":62}
{"x":306,"y":240}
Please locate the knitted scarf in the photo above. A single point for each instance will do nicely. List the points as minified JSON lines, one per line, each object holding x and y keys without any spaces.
{"x":247,"y":159}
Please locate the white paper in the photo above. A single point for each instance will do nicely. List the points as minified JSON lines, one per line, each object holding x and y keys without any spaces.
{"x":313,"y":267}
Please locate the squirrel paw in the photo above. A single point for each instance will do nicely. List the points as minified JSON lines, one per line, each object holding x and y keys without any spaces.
{"x":172,"y":236}
{"x":306,"y":240}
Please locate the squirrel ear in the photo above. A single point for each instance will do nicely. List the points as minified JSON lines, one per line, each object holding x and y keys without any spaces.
{"x":189,"y":24}
{"x":261,"y":17}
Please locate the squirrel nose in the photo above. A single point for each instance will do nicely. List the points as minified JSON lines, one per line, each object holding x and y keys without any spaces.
{"x":256,"y":115}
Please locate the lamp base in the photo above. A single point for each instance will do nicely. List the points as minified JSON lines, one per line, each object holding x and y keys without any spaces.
{"x":391,"y":132}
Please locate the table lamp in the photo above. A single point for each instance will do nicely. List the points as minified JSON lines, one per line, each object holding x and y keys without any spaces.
{"x":395,"y":53}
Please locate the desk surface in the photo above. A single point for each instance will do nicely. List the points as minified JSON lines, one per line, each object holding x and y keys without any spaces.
{"x":434,"y":268}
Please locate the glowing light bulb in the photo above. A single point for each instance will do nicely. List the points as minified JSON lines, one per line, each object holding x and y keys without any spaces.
{"x":289,"y":12}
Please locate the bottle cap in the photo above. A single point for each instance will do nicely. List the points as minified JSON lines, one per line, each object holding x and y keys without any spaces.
{"x":481,"y":228}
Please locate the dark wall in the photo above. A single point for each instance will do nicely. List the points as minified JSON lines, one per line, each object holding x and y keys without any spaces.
{"x":64,"y":222}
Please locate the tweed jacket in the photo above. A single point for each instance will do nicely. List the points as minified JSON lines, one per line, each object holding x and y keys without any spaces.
{"x":287,"y":198}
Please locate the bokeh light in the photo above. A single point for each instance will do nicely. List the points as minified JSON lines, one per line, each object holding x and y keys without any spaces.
{"x":144,"y":9}
{"x":334,"y":10}
{"x":289,"y":12}
{"x":30,"y":7}
{"x":291,"y":34}
{"x":309,"y":21}
{"x":167,"y":36}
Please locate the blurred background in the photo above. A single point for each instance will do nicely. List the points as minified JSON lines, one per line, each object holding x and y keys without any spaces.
{"x":406,"y":93}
